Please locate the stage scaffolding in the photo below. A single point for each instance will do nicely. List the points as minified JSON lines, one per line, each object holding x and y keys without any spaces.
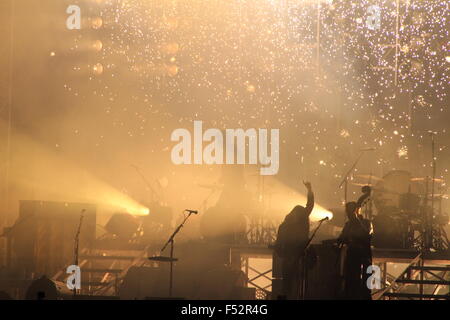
{"x":241,"y":259}
{"x":426,"y":276}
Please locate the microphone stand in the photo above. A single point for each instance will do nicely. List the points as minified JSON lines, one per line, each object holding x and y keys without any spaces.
{"x":171,"y":242}
{"x":429,"y":217}
{"x":345,"y":180}
{"x":153,"y":193}
{"x":303,"y":282}
{"x":77,"y":244}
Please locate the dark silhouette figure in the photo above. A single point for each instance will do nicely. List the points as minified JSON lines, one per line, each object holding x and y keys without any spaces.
{"x":355,"y":239}
{"x":42,"y":289}
{"x":364,"y":202}
{"x":291,"y":240}
{"x":225,"y":222}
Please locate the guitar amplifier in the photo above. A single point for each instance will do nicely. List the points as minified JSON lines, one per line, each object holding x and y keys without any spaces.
{"x":323,"y":280}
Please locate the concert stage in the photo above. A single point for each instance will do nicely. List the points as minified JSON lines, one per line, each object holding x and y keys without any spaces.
{"x":192,"y":150}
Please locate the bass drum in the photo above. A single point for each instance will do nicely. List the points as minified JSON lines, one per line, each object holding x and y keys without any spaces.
{"x":391,"y":233}
{"x":223,"y":225}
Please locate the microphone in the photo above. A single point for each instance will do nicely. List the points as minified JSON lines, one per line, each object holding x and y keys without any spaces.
{"x":191,"y":211}
{"x":324,"y":219}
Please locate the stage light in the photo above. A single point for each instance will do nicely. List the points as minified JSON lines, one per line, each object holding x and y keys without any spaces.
{"x":97,"y":69}
{"x":123,"y":225}
{"x":172,"y":70}
{"x":97,"y":45}
{"x":171,"y":48}
{"x":97,"y":23}
{"x":447,"y":58}
{"x":88,"y":46}
{"x":134,"y":210}
{"x":320,"y":213}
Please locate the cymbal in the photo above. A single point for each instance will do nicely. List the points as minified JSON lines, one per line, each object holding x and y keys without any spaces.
{"x":424,"y":179}
{"x":362,"y":184}
{"x":368,"y":177}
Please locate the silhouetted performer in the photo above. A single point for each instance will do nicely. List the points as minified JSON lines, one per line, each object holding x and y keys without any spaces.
{"x":225,"y":222}
{"x":356,"y":238}
{"x":364,"y":202}
{"x":291,"y":240}
{"x":42,"y":289}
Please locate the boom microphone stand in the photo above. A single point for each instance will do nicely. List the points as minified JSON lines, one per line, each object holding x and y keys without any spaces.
{"x":345,"y":180}
{"x":171,"y":259}
{"x":153,"y":193}
{"x":301,"y":293}
{"x":77,"y":245}
{"x":429,"y":216}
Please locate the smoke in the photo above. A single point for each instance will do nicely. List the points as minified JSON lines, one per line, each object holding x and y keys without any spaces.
{"x":280,"y":199}
{"x":37,"y":173}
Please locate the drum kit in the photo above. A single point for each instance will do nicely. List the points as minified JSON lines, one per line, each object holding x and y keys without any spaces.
{"x":231,"y":220}
{"x":408,"y":211}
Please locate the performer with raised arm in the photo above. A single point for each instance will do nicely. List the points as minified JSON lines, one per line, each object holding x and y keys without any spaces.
{"x":356,"y":253}
{"x":364,"y":203}
{"x":291,"y":240}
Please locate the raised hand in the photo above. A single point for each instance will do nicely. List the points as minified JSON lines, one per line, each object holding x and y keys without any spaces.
{"x":307,"y":185}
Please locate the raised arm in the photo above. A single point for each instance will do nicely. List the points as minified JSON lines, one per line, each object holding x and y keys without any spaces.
{"x":366,"y":194}
{"x":310,"y":203}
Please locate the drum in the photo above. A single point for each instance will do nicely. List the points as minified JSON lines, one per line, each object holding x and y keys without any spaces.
{"x":397,"y":190}
{"x":392,"y":232}
{"x":409,"y":202}
{"x":223,"y":225}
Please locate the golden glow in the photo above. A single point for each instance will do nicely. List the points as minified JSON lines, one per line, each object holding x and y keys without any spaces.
{"x":172,"y":70}
{"x":65,"y":181}
{"x":97,"y":69}
{"x":113,"y":201}
{"x":97,"y":23}
{"x":284,"y":198}
{"x":97,"y":45}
